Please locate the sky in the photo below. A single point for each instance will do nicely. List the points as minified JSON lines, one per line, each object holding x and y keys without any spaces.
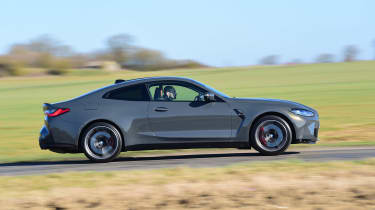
{"x":214,"y":32}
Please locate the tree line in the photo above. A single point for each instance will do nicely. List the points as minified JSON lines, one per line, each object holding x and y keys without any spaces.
{"x":48,"y":53}
{"x":349,"y":54}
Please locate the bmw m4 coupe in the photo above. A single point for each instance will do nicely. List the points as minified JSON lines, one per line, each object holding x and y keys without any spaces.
{"x":172,"y":113}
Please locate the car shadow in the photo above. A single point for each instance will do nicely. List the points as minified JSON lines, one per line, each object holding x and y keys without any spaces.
{"x":150,"y":158}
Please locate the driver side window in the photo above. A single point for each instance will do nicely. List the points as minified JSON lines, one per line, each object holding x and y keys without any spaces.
{"x":174,"y":92}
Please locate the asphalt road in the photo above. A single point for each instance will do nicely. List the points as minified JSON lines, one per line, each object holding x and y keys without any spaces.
{"x":209,"y":158}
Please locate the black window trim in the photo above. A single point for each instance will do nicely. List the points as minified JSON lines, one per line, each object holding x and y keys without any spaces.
{"x":180,"y":83}
{"x":105,"y":95}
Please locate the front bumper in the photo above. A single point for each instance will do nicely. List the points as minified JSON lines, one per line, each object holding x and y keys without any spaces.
{"x":306,"y":129}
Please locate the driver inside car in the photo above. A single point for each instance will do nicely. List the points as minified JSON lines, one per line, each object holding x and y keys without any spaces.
{"x":169,"y":93}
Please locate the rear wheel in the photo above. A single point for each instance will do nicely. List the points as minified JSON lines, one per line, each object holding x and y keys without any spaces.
{"x":271,"y":135}
{"x":102,"y":142}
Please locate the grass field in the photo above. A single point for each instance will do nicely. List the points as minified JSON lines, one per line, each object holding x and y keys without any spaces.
{"x":272,"y":185}
{"x":343,"y":93}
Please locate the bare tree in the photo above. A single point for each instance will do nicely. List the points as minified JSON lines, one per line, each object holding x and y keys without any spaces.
{"x":269,"y":60}
{"x":44,"y":44}
{"x":42,"y":51}
{"x":325,"y":58}
{"x":119,"y":47}
{"x":78,"y":60}
{"x":147,"y":57}
{"x":350,"y":53}
{"x":21,"y":54}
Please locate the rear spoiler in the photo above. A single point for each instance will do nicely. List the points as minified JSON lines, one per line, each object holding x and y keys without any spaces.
{"x":47,"y":106}
{"x":119,"y":81}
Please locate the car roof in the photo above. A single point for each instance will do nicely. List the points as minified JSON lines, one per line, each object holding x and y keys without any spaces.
{"x":153,"y":79}
{"x":125,"y":83}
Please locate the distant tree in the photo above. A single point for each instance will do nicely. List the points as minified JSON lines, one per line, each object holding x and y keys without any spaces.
{"x":21,"y":54}
{"x":373,"y":43}
{"x":78,"y":60}
{"x":350,"y":53}
{"x":44,"y":60}
{"x":269,"y":60}
{"x":296,"y":61}
{"x":44,"y":44}
{"x":48,"y":45}
{"x":325,"y":58}
{"x":9,"y":68}
{"x":119,"y":47}
{"x":39,"y":52}
{"x":59,"y":66}
{"x":101,"y":55}
{"x":147,"y":57}
{"x":64,"y":51}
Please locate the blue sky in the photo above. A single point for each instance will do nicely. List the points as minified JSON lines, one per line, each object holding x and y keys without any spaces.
{"x":214,"y":32}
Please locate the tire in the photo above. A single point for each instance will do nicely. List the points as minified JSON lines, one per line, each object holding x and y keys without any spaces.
{"x":271,"y":135}
{"x":101,"y":142}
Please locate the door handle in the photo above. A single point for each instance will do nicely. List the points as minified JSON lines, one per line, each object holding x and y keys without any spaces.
{"x":161,"y":109}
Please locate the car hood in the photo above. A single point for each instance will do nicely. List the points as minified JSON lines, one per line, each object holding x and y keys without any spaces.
{"x":290,"y":104}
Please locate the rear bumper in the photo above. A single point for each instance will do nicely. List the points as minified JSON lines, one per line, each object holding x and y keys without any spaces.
{"x":45,"y":138}
{"x":46,"y":141}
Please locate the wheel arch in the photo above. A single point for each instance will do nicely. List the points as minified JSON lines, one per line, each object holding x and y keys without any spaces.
{"x":291,"y":125}
{"x":80,"y":138}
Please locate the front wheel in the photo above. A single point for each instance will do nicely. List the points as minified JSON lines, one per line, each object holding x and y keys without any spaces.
{"x":102,"y":142}
{"x":271,"y":135}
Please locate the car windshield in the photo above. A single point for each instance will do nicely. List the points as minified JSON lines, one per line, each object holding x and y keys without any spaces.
{"x":214,"y":90}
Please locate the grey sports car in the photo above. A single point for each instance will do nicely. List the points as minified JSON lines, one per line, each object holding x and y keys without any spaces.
{"x":172,"y":113}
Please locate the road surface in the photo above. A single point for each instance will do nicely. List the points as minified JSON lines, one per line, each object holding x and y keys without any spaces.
{"x":209,"y":158}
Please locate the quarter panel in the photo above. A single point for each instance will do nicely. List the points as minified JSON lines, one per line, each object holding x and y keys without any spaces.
{"x":65,"y":128}
{"x":130,"y":117}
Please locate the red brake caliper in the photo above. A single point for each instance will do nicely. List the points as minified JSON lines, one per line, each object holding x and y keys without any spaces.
{"x":261,"y":136}
{"x":111,"y":142}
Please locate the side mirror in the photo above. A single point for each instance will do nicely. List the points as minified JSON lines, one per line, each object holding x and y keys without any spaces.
{"x":209,"y":97}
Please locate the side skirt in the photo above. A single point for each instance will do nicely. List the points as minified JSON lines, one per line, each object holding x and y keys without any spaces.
{"x":239,"y":145}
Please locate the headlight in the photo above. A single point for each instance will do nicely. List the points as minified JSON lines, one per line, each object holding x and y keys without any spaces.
{"x":302,"y":112}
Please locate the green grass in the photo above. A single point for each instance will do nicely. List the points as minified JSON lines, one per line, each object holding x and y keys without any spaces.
{"x":92,"y":179}
{"x":291,"y":184}
{"x":343,"y":93}
{"x":89,"y":178}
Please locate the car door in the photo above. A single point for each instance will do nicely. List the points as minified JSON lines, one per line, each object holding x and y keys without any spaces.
{"x":127,"y":107}
{"x":187,"y":116}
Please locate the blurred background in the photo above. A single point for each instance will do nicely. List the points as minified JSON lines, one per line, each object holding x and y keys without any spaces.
{"x":148,"y":35}
{"x":319,"y":53}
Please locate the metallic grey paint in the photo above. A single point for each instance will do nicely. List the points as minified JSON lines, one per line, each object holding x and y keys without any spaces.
{"x":222,"y":123}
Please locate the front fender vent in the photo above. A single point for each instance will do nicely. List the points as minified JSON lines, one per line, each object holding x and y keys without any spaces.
{"x":239,"y":113}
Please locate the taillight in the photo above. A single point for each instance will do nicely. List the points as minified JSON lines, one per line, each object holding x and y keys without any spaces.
{"x":56,"y":112}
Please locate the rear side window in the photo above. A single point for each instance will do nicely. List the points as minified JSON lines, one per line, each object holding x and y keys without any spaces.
{"x":129,"y":93}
